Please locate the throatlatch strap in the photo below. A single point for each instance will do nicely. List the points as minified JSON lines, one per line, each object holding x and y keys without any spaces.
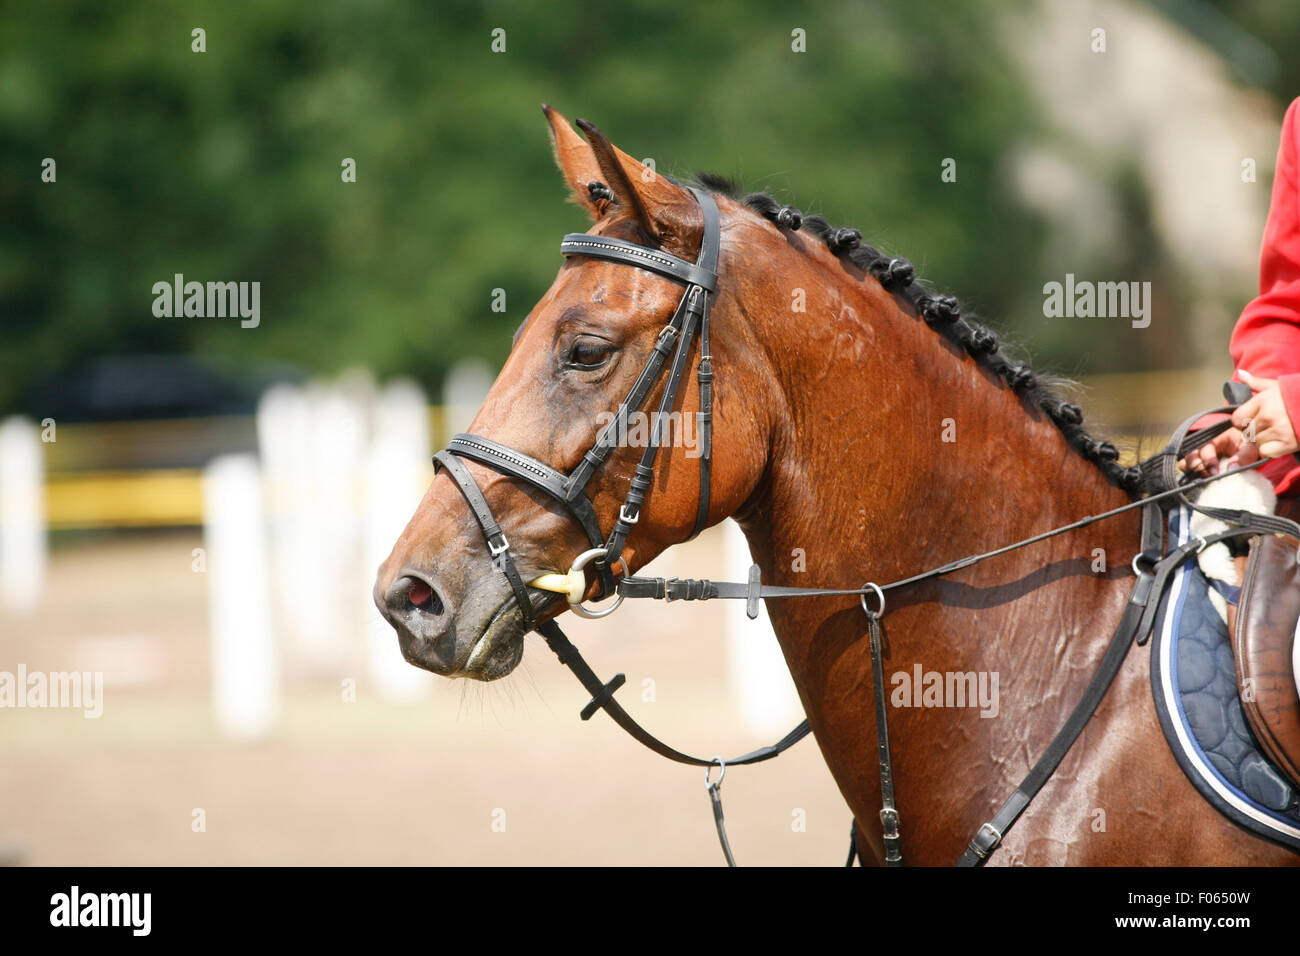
{"x":708,"y":258}
{"x":644,"y":475}
{"x":692,"y":310}
{"x":498,"y":546}
{"x":608,"y":438}
{"x":705,"y":426}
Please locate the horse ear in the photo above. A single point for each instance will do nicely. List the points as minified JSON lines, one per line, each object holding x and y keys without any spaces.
{"x":663,"y":208}
{"x":576,"y":161}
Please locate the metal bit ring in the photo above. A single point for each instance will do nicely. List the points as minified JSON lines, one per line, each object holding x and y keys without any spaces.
{"x":580,"y":562}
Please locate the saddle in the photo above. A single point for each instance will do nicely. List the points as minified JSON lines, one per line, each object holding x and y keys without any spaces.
{"x":1262,"y":645}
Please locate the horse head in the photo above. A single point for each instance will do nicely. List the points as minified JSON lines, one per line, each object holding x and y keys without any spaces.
{"x":454,"y":597}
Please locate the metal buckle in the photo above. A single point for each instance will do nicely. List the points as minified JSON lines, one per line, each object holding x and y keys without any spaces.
{"x":625,"y":518}
{"x":494,"y":550}
{"x":997,"y":839}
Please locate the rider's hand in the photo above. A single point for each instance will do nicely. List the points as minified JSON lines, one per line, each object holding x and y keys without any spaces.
{"x":1229,"y":450}
{"x":1263,"y":429}
{"x":1264,"y":421}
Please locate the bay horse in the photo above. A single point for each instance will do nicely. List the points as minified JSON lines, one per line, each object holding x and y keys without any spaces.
{"x":863,"y":429}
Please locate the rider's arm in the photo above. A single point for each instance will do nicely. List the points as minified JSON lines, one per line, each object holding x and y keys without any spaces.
{"x":1266,"y":339}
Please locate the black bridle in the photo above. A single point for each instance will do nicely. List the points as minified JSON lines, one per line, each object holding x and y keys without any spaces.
{"x":1152,"y":567}
{"x":690,"y":317}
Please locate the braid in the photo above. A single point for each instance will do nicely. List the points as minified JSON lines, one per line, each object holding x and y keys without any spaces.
{"x":944,"y":314}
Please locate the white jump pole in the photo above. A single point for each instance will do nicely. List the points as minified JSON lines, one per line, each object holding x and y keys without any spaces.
{"x":245,"y":667}
{"x":22,"y":516}
{"x":397,"y":471}
{"x":337,"y":436}
{"x":760,"y":681}
{"x":284,"y":428}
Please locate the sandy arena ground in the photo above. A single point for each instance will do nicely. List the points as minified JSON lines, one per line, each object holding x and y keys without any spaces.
{"x":372,"y":782}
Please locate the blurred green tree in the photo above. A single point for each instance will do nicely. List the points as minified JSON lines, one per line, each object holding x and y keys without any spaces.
{"x":226,"y":164}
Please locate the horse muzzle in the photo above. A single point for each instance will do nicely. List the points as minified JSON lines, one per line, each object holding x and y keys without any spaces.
{"x":479,"y":636}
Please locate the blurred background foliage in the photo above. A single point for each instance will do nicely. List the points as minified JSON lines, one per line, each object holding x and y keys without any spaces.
{"x":225,"y":165}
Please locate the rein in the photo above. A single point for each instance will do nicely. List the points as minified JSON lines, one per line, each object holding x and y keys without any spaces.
{"x":1151,"y":566}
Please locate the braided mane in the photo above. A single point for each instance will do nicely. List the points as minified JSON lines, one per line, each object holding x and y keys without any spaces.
{"x":943,"y":313}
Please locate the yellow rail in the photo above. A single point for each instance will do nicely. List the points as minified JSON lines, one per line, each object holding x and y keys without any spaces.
{"x":99,"y":475}
{"x":116,"y":492}
{"x":141,"y":499}
{"x":170,"y":498}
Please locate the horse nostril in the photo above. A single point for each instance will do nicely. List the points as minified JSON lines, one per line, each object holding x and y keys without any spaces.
{"x":411,"y":592}
{"x":423,"y":596}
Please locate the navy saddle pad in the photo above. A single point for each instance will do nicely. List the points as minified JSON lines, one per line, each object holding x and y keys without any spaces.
{"x":1194,"y":680}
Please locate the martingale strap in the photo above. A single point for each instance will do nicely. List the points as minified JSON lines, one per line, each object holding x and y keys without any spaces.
{"x":1134,"y":625}
{"x":1153,"y":572}
{"x":1146,"y":593}
{"x":602,"y":698}
{"x":891,"y":837}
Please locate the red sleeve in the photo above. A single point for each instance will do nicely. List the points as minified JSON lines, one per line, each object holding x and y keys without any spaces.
{"x":1266,"y":340}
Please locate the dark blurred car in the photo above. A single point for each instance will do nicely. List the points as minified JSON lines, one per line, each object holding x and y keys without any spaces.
{"x":134,"y":387}
{"x":152,"y":411}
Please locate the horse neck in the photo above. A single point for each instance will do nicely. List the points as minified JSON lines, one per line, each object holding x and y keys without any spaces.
{"x":892,"y":452}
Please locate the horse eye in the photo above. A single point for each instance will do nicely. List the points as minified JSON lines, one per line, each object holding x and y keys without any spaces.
{"x":590,"y":353}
